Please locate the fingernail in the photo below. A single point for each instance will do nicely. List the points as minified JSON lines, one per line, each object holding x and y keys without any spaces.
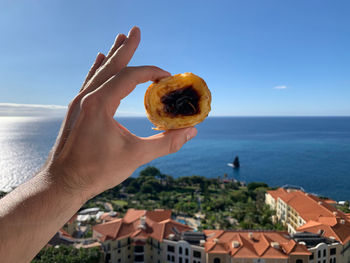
{"x":191,"y":133}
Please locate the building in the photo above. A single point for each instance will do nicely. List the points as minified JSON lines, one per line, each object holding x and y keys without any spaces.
{"x":336,"y":228}
{"x":304,"y":212}
{"x":294,"y":208}
{"x":253,"y":247}
{"x":149,"y":236}
{"x":323,"y":249}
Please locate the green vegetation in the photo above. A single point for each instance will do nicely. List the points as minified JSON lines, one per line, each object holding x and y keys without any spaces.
{"x":224,"y":205}
{"x":68,"y":254}
{"x":345,"y":207}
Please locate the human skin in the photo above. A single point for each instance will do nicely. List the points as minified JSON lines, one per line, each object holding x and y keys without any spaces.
{"x":92,"y":153}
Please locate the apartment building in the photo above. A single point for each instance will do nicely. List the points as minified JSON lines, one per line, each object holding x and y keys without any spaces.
{"x":295,"y":208}
{"x":303,"y":212}
{"x":149,"y":236}
{"x":323,"y":249}
{"x":336,"y":228}
{"x":237,"y":246}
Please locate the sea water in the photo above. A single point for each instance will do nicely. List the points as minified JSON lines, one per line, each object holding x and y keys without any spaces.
{"x":311,"y":152}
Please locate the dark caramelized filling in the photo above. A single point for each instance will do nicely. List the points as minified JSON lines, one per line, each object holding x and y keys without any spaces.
{"x":181,"y":102}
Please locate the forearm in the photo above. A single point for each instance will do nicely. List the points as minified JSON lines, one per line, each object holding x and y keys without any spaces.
{"x":31,"y":214}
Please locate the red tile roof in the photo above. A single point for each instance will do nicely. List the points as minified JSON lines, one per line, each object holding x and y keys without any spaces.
{"x":336,"y":227}
{"x":158,"y":225}
{"x":252,"y":244}
{"x":319,"y":214}
{"x":106,"y":217}
{"x":308,"y":206}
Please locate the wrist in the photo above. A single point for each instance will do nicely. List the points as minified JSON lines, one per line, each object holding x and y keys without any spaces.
{"x":63,"y":182}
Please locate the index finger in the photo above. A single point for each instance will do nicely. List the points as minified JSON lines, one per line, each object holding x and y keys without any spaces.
{"x":120,"y":85}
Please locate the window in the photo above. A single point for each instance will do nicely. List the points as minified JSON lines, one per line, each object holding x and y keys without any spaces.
{"x":119,"y":260}
{"x":324,"y":261}
{"x":319,"y":253}
{"x":128,"y":256}
{"x":171,"y":248}
{"x":330,"y":260}
{"x":324,"y":252}
{"x":119,"y":244}
{"x":196,"y":254}
{"x":118,"y":251}
{"x":299,"y":261}
{"x":333,"y":251}
{"x":138,"y":249}
{"x":139,"y":258}
{"x":180,"y":250}
{"x":186,"y":260}
{"x":180,"y":259}
{"x":334,"y":260}
{"x":186,"y":251}
{"x":129,"y":241}
{"x":216,"y":260}
{"x":311,"y":256}
{"x":172,"y":258}
{"x":168,"y":257}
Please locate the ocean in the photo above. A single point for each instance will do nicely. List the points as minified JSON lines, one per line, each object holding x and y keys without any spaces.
{"x":311,"y":152}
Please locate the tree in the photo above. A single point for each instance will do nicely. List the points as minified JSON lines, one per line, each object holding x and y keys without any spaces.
{"x":133,"y":187}
{"x":150,"y":171}
{"x":253,"y":185}
{"x":68,"y":254}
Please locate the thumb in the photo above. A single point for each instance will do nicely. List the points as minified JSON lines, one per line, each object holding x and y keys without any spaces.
{"x":165,"y":143}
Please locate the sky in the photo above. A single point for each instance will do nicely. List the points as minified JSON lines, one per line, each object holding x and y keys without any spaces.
{"x":258,"y":58}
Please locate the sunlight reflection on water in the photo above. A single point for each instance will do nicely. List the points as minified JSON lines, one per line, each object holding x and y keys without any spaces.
{"x":21,"y":149}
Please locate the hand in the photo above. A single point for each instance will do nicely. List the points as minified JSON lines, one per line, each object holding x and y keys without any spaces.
{"x":94,"y":152}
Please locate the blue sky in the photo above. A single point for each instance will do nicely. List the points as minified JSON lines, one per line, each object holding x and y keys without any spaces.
{"x":242,"y":49}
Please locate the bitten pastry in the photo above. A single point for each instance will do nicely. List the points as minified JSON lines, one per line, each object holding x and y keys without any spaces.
{"x":178,"y":101}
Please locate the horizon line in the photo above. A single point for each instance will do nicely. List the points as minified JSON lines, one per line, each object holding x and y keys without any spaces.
{"x":125,"y":114}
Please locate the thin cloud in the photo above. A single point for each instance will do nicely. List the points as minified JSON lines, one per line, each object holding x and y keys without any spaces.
{"x":40,"y":110}
{"x":280,"y":87}
{"x":15,"y":109}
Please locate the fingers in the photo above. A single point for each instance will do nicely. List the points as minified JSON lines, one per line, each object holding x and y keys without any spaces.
{"x":119,"y":40}
{"x":118,"y":87}
{"x":119,"y":57}
{"x":165,"y":143}
{"x":98,"y":62}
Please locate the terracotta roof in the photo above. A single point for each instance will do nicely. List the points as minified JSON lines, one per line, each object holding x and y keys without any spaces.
{"x":64,"y":233}
{"x":336,"y":227}
{"x":157,"y":224}
{"x":106,"y":217}
{"x":252,"y":244}
{"x":308,"y":206}
{"x":319,"y":214}
{"x":330,"y":201}
{"x":279,"y":192}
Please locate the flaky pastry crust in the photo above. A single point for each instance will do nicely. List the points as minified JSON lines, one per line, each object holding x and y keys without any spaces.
{"x":178,"y":101}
